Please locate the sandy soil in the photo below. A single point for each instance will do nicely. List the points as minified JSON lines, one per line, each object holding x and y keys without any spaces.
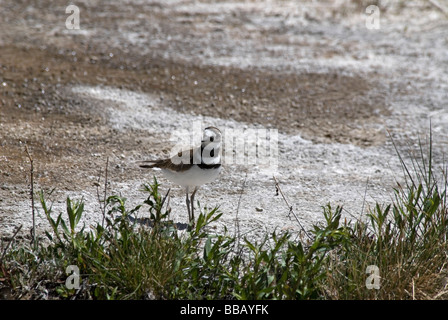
{"x":138,"y":70}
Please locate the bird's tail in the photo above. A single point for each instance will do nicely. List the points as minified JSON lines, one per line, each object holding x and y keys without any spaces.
{"x":149,"y":164}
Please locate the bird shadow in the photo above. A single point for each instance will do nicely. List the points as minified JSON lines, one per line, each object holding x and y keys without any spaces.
{"x":150,"y":223}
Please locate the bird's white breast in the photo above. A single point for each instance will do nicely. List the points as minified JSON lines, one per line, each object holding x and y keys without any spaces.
{"x":194,"y":177}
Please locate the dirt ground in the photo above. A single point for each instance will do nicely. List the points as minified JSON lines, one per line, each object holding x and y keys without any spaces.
{"x":136,"y":70}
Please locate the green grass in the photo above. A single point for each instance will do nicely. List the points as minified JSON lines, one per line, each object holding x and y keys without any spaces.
{"x":121,"y":259}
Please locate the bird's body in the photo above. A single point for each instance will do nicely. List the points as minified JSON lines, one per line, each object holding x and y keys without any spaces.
{"x":193,"y":168}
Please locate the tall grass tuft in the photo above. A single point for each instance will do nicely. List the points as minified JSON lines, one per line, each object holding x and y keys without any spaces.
{"x":406,"y":240}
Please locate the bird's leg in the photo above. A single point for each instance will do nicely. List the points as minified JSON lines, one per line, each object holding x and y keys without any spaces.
{"x":187,"y":199}
{"x":192,"y":202}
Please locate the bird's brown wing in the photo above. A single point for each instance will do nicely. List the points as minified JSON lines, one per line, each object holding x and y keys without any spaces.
{"x":168,"y":163}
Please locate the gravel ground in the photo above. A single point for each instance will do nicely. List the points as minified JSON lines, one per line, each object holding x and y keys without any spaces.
{"x":137,"y":72}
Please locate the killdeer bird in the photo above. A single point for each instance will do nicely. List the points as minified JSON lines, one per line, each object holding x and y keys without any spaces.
{"x":193,"y":168}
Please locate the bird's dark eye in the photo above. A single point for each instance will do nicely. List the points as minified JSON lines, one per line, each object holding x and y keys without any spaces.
{"x":211,"y":139}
